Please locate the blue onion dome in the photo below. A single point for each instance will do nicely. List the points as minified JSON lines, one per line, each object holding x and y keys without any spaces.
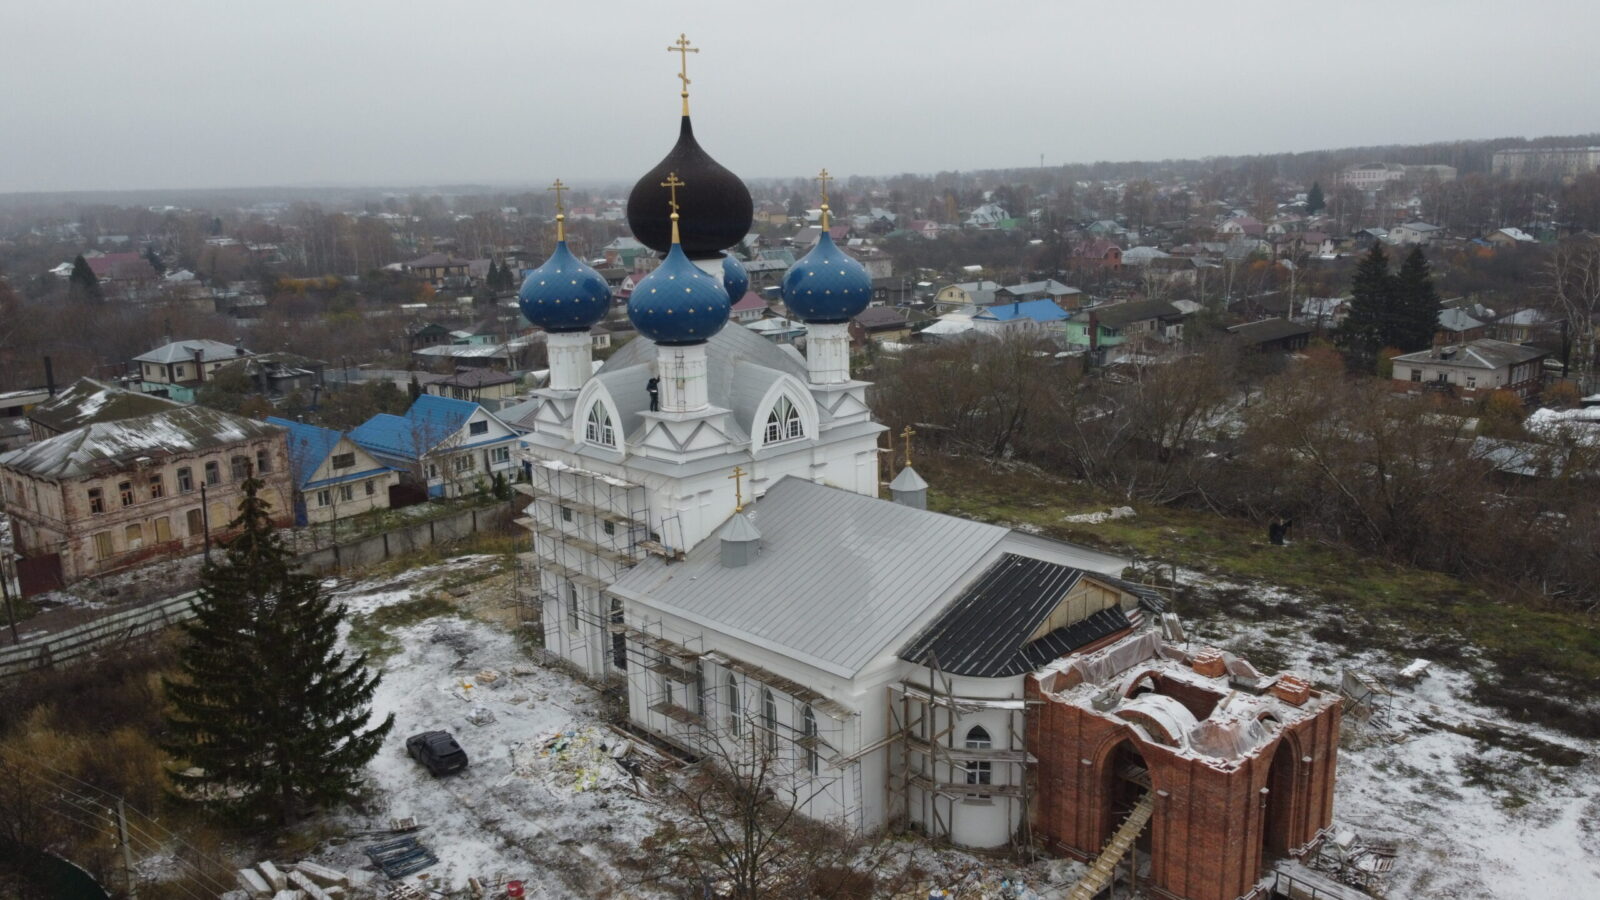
{"x":826,"y":285}
{"x":564,"y":294}
{"x":715,"y":217}
{"x":679,"y":303}
{"x":734,"y":278}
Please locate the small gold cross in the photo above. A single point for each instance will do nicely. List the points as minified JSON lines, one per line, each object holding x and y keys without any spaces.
{"x":561,"y":212}
{"x":907,"y":435}
{"x":738,"y":488}
{"x":672,"y":184}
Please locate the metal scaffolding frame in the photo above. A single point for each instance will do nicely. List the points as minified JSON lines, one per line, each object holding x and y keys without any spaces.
{"x":656,"y":665}
{"x":586,"y":528}
{"x":921,"y":734}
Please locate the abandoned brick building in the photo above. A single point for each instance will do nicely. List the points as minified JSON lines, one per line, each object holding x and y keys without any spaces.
{"x":1193,"y":760}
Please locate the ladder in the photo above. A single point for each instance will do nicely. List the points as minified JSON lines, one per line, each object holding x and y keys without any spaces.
{"x":1105,"y":865}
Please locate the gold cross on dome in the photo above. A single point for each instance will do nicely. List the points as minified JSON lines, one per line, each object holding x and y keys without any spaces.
{"x":682,"y":48}
{"x":561,"y":212}
{"x":672,"y":184}
{"x":906,"y":436}
{"x":823,"y":177}
{"x":738,"y":488}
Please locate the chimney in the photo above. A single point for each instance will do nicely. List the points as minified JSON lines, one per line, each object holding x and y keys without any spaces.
{"x":49,"y":377}
{"x":741,"y":542}
{"x":199,"y":364}
{"x":908,"y":489}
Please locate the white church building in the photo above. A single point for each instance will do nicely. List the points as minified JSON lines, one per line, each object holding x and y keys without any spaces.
{"x":707,"y":528}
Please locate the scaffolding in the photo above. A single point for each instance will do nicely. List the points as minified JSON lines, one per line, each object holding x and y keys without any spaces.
{"x":586,"y":528}
{"x":684,"y":691}
{"x":928,"y":761}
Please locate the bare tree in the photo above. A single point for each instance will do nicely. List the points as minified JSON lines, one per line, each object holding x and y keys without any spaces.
{"x":1573,"y":276}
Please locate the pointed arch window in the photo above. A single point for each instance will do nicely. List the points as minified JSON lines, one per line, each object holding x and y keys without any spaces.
{"x":769,"y":720}
{"x":783,"y":423}
{"x":730,"y":686}
{"x":979,"y":771}
{"x":599,"y":429}
{"x":808,"y":721}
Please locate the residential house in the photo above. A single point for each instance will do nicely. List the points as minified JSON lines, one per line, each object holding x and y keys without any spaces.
{"x":1472,"y":369}
{"x":274,"y":375}
{"x":1415,"y":233}
{"x":333,"y":477}
{"x":988,"y":215}
{"x":750,"y":308}
{"x":1511,"y":237}
{"x":1525,"y":325}
{"x":1456,"y":326}
{"x":439,"y":269}
{"x":115,"y":267}
{"x":1049,"y":289}
{"x":926,"y":228}
{"x":178,"y":369}
{"x":1120,"y":323}
{"x":1240,"y":226}
{"x":1142,"y":256}
{"x":1275,"y":335}
{"x":880,"y":323}
{"x":512,"y":355}
{"x":625,"y":252}
{"x":877,"y":263}
{"x":450,"y":447}
{"x":112,"y":494}
{"x":478,"y":385}
{"x":1096,"y":254}
{"x":87,"y":401}
{"x":778,"y":329}
{"x":952,"y":297}
{"x":430,"y":334}
{"x":1021,"y":317}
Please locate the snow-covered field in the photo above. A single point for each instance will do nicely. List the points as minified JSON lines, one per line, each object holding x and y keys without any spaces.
{"x":1477,"y":807}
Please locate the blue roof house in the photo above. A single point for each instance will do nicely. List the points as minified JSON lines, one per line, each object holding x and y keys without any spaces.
{"x":451,"y":446}
{"x":333,"y":476}
{"x":1036,"y":317}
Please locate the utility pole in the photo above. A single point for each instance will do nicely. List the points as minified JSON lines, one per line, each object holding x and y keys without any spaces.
{"x":205,"y":518}
{"x":5,"y":594}
{"x":127,"y":852}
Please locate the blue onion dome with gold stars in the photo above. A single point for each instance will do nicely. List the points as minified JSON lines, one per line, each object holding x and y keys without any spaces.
{"x":734,"y":278}
{"x":679,"y":303}
{"x":826,"y":285}
{"x":564,"y":294}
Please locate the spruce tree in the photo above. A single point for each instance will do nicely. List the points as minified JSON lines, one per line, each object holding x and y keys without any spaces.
{"x":1367,"y":327}
{"x":272,"y":717}
{"x":1315,"y":202}
{"x":82,"y":282}
{"x":1416,"y":304}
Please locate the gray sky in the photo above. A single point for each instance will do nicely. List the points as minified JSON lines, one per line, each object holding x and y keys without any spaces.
{"x":200,"y":93}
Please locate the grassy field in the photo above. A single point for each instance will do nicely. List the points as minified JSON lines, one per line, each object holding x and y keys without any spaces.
{"x":1527,"y":659}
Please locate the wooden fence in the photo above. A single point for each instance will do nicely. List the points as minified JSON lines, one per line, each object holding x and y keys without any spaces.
{"x":116,"y":628}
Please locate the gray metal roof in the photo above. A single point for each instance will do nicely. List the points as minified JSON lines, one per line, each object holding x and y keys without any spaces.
{"x":183,"y":351}
{"x":840,"y":577}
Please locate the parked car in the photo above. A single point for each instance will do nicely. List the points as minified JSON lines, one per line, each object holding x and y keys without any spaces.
{"x":438,"y":751}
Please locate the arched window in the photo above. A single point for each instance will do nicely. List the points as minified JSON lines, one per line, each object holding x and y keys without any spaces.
{"x":979,"y":771}
{"x":769,"y":720}
{"x":572,"y":607}
{"x":599,"y":429}
{"x":808,"y":720}
{"x":730,"y":687}
{"x":783,"y":423}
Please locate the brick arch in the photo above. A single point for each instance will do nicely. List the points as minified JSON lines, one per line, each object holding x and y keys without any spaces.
{"x":1103,"y":779}
{"x":1282,"y":816}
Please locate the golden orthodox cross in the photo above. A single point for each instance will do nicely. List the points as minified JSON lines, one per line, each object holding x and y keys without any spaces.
{"x":561,"y":212}
{"x":672,"y":184}
{"x":682,"y":48}
{"x":823,"y":177}
{"x":906,"y":436}
{"x":738,"y":488}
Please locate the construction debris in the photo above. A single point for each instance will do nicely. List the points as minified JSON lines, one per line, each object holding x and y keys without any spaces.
{"x":402,"y":857}
{"x":480,"y":716}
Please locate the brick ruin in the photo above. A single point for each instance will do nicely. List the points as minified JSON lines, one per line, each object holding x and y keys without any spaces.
{"x":1240,"y":766}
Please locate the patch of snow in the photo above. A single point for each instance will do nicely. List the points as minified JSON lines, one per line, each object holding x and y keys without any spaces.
{"x":1095,"y":518}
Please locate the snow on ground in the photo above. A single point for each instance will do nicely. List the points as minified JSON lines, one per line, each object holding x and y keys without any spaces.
{"x":1477,"y":805}
{"x":489,"y":820}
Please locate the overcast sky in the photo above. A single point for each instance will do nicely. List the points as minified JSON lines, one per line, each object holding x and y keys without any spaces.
{"x":200,"y":93}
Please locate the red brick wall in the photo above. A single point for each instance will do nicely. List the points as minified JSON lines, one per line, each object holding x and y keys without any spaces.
{"x":1206,"y":837}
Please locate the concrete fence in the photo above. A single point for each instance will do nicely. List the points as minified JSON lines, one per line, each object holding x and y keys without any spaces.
{"x":125,"y":625}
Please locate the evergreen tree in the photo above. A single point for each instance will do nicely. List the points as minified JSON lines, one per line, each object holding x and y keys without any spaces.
{"x":274,"y":717}
{"x":155,"y":260}
{"x":1315,"y":202}
{"x":492,"y":280}
{"x":1416,"y":304}
{"x":415,"y":387}
{"x":1367,"y":327}
{"x":82,"y":282}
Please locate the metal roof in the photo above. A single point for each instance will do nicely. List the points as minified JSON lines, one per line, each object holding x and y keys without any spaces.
{"x":87,"y":401}
{"x":183,"y":351}
{"x":840,"y":577}
{"x":110,"y":445}
{"x":985,"y":633}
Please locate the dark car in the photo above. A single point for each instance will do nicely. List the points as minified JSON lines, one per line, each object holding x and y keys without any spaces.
{"x":438,"y":751}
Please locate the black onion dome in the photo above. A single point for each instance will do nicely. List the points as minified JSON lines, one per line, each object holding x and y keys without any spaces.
{"x":714,"y":208}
